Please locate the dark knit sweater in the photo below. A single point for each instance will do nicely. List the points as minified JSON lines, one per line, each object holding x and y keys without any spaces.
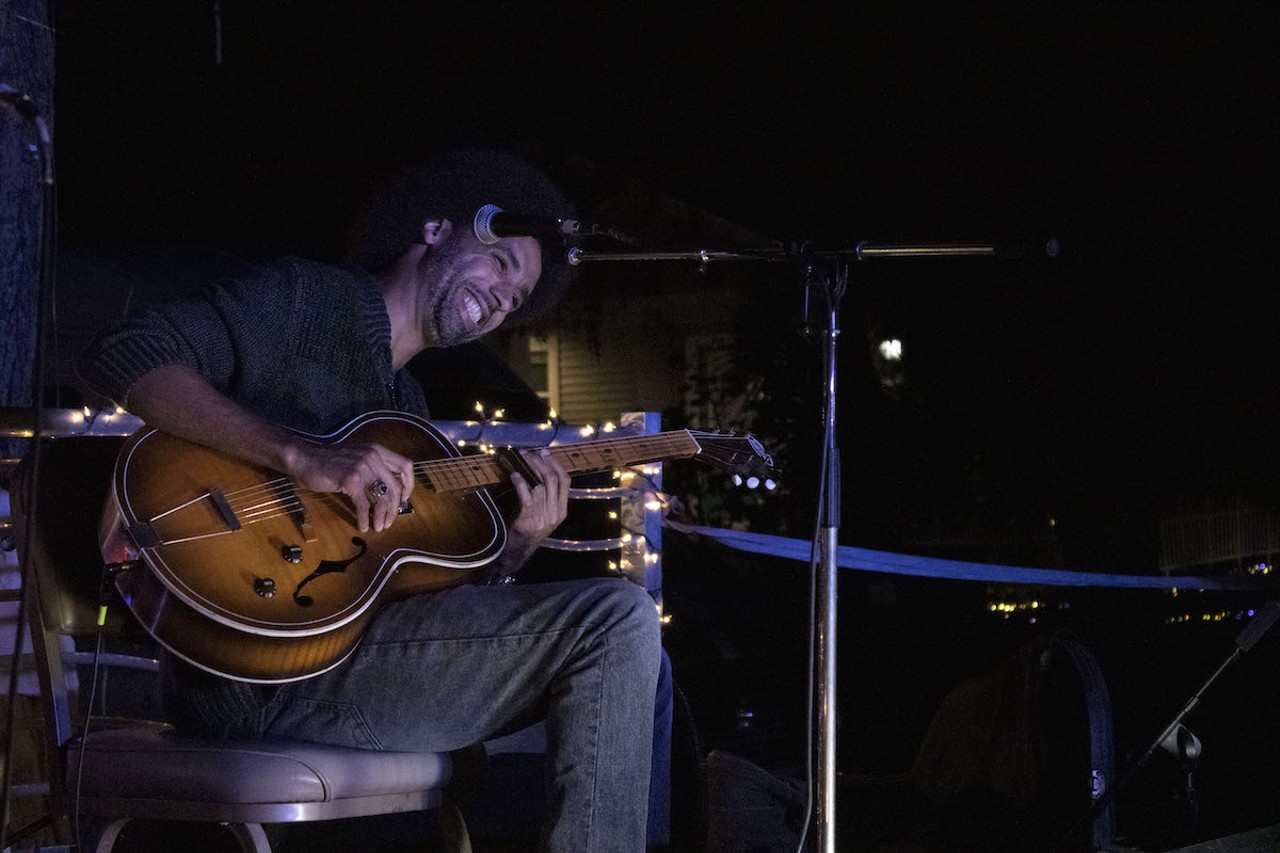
{"x":299,"y":343}
{"x":302,"y":344}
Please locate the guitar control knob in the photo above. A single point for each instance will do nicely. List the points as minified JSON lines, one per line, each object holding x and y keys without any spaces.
{"x":265,"y":587}
{"x":291,"y":553}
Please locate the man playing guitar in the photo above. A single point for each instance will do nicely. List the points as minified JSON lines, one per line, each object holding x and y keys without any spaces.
{"x":251,"y":367}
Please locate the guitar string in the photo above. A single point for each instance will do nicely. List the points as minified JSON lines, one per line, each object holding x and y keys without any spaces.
{"x":448,"y":468}
{"x":454,"y":472}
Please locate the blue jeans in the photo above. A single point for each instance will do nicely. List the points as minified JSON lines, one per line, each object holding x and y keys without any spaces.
{"x":443,"y":671}
{"x":660,"y":769}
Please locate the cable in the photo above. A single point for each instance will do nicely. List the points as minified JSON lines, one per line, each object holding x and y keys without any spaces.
{"x":810,"y":706}
{"x":88,"y":717}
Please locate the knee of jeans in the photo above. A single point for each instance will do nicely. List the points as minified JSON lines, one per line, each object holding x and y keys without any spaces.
{"x":637,"y":614}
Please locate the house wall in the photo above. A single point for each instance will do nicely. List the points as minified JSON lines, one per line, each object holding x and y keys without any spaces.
{"x":631,"y":372}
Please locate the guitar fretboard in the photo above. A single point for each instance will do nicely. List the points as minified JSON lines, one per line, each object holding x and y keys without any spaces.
{"x":480,"y":470}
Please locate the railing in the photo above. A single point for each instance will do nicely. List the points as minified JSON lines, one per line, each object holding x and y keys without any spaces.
{"x":1231,"y":536}
{"x":639,"y":539}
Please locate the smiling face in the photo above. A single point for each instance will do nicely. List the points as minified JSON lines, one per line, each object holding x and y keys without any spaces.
{"x":466,"y":289}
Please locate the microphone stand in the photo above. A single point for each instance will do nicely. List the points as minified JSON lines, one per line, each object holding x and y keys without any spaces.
{"x":826,"y":272}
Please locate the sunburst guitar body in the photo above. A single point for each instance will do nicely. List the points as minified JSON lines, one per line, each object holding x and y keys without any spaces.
{"x":247,"y":575}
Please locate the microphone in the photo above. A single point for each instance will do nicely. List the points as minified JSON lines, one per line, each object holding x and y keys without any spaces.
{"x":492,"y":223}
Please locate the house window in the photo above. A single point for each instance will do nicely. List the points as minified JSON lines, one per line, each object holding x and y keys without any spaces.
{"x":544,"y":368}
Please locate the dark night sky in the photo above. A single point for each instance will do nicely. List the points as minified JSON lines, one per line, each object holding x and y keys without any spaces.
{"x":1143,"y":133}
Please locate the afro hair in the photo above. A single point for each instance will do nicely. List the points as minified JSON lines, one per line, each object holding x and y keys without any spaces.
{"x":454,"y":185}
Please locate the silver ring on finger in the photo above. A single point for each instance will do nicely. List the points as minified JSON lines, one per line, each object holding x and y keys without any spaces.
{"x":378,"y":489}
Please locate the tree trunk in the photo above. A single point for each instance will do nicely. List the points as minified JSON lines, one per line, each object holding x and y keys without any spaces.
{"x":26,"y":65}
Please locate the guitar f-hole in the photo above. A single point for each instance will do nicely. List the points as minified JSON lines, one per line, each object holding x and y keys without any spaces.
{"x":328,"y":567}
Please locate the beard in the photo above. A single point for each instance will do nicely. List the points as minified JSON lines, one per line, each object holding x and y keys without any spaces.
{"x":443,"y":270}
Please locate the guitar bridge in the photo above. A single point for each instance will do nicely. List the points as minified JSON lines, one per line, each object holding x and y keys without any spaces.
{"x":225,"y":511}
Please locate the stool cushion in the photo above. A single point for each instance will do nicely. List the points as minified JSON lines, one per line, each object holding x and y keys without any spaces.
{"x":153,"y":763}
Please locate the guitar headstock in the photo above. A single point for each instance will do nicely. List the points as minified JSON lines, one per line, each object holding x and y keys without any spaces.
{"x":743,"y":456}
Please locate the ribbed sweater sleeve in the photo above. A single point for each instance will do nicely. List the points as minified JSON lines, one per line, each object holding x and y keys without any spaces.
{"x":302,"y":344}
{"x":196,"y":330}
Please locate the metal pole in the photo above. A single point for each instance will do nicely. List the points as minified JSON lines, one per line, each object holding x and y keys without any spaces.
{"x":826,"y":588}
{"x":826,"y":800}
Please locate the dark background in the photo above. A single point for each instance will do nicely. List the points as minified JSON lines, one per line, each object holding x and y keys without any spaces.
{"x":1130,"y":379}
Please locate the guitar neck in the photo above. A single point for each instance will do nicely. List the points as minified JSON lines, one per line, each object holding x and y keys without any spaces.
{"x":479,"y":470}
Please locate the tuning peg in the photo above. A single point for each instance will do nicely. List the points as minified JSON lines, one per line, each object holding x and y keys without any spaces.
{"x":737,"y":479}
{"x":753,"y":482}
{"x":770,"y":485}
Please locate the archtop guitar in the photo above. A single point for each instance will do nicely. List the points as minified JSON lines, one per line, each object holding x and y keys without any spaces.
{"x":247,"y":575}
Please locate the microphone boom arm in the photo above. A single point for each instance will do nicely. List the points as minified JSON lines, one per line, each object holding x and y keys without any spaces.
{"x":862,"y":251}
